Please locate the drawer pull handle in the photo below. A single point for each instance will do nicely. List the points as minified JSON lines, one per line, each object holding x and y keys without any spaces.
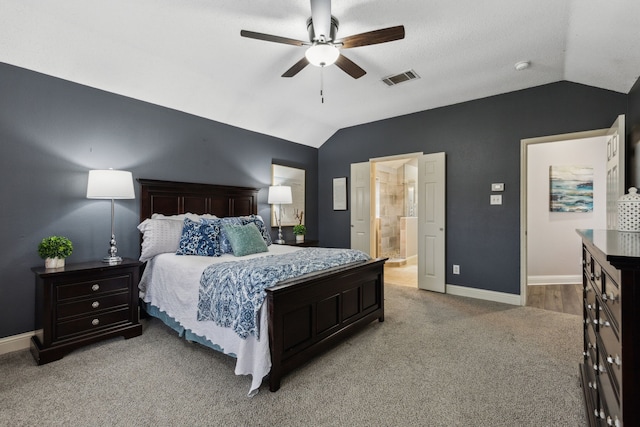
{"x":612,"y":297}
{"x":95,"y":322}
{"x":615,"y":423}
{"x":597,"y":276}
{"x":614,"y":360}
{"x":593,"y":385}
{"x":95,"y":304}
{"x":605,"y":323}
{"x":95,"y":287}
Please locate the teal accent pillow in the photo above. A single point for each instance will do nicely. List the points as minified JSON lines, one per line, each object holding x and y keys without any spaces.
{"x":245,"y":239}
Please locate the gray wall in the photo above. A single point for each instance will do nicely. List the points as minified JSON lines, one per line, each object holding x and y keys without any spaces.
{"x":633,"y":115}
{"x":481,"y":139}
{"x":53,"y":131}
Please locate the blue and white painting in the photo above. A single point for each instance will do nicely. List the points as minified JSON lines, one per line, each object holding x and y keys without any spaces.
{"x":571,"y":189}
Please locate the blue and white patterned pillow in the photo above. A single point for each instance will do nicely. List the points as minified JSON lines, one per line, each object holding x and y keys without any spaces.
{"x":258,"y":221}
{"x":199,"y":238}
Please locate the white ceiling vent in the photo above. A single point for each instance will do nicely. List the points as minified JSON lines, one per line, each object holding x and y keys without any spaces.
{"x":399,"y":78}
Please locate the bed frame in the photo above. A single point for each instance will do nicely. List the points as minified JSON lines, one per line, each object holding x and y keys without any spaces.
{"x":306,"y":315}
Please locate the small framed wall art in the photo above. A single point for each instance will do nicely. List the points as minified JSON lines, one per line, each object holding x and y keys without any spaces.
{"x":340,"y":194}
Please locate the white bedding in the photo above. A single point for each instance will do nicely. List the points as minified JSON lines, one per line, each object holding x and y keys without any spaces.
{"x":171,"y":283}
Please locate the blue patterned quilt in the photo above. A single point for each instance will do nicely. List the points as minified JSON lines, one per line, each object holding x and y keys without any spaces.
{"x":231,"y":293}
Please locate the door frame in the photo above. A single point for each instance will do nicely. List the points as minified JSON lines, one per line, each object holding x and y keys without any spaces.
{"x":524,"y":144}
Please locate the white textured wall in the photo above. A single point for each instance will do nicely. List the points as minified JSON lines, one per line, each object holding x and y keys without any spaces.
{"x":553,"y":246}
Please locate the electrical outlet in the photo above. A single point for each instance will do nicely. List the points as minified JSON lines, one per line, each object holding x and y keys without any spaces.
{"x":456,"y":269}
{"x":496,"y":199}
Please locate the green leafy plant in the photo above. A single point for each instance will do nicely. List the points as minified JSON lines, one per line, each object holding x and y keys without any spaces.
{"x":55,"y":247}
{"x":299,"y":230}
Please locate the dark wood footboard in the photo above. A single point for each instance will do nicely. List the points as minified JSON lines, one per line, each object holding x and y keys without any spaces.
{"x":309,"y":314}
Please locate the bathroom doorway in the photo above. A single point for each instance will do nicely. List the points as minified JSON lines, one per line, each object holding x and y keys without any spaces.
{"x":396,"y":218}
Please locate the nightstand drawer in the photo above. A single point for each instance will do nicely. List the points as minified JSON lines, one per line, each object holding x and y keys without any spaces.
{"x":93,"y":287}
{"x":91,"y":305}
{"x":89,"y":324}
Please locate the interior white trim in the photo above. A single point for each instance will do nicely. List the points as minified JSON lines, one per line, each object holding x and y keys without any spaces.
{"x":566,"y":279}
{"x":484,"y":294}
{"x":16,"y":342}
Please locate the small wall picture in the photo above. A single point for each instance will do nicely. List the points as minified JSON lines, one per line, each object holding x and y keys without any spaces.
{"x":571,"y":189}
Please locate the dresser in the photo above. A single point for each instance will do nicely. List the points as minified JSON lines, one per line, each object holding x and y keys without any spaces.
{"x":610,"y":370}
{"x":83,"y":303}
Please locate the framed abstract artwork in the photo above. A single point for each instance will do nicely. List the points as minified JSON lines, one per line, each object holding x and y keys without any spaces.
{"x":571,"y":189}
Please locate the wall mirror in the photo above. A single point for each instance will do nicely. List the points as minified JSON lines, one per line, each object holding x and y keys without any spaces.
{"x":294,"y":178}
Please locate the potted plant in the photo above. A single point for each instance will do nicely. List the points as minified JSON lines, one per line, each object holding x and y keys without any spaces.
{"x":299,"y":230}
{"x":54,"y":249}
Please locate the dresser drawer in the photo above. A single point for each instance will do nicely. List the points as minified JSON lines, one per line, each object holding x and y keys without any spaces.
{"x":90,"y":324}
{"x":92,"y":287}
{"x":590,"y":384}
{"x":598,"y":273}
{"x":590,"y":297}
{"x":611,"y":300}
{"x":610,"y":351}
{"x":92,"y":305}
{"x":591,"y":345}
{"x":609,"y":408}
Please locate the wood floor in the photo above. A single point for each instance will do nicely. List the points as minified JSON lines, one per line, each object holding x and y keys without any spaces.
{"x":561,"y":298}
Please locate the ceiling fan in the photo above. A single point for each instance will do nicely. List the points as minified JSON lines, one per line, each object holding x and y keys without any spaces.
{"x":324,"y":48}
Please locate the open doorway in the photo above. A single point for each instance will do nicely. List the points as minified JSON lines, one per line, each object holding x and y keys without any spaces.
{"x":430,"y":197}
{"x":550,"y":247}
{"x":396,"y":218}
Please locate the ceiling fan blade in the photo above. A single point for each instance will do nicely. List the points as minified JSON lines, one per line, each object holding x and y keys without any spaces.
{"x":297,"y":67}
{"x":270,"y":38}
{"x":321,"y":18}
{"x":350,"y":67}
{"x":373,"y":37}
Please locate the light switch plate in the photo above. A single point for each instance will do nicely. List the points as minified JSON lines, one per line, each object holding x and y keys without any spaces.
{"x":496,"y":199}
{"x":497,"y":186}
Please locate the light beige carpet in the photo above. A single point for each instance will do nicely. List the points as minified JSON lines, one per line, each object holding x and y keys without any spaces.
{"x":437,"y":360}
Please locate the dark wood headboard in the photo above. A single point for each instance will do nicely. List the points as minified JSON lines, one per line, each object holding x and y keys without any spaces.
{"x":172,"y":198}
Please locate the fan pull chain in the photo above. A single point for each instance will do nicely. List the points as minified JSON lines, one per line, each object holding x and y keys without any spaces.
{"x":321,"y":85}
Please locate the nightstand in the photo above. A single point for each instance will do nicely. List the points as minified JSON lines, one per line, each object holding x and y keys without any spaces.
{"x":84,"y":303}
{"x":306,"y":243}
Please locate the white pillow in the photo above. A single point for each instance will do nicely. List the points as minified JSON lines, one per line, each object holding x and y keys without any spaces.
{"x":159,"y":235}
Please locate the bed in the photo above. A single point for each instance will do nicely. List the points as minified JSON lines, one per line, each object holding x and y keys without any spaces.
{"x":300,"y":318}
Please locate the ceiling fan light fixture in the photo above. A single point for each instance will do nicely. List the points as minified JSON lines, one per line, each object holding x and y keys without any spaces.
{"x":322,"y":54}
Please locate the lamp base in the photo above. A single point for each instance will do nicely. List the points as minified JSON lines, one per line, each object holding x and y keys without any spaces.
{"x":279,"y":242}
{"x":112,"y":259}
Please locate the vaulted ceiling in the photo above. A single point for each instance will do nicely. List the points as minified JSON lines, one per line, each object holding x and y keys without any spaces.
{"x":188,"y":55}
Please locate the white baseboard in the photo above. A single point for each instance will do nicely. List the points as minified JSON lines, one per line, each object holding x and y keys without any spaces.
{"x":464,"y":291}
{"x":16,"y":342}
{"x":554,"y":280}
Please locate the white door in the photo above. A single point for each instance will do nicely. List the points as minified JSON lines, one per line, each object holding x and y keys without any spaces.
{"x":361,"y":207}
{"x":615,"y":170}
{"x":431,"y":222}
